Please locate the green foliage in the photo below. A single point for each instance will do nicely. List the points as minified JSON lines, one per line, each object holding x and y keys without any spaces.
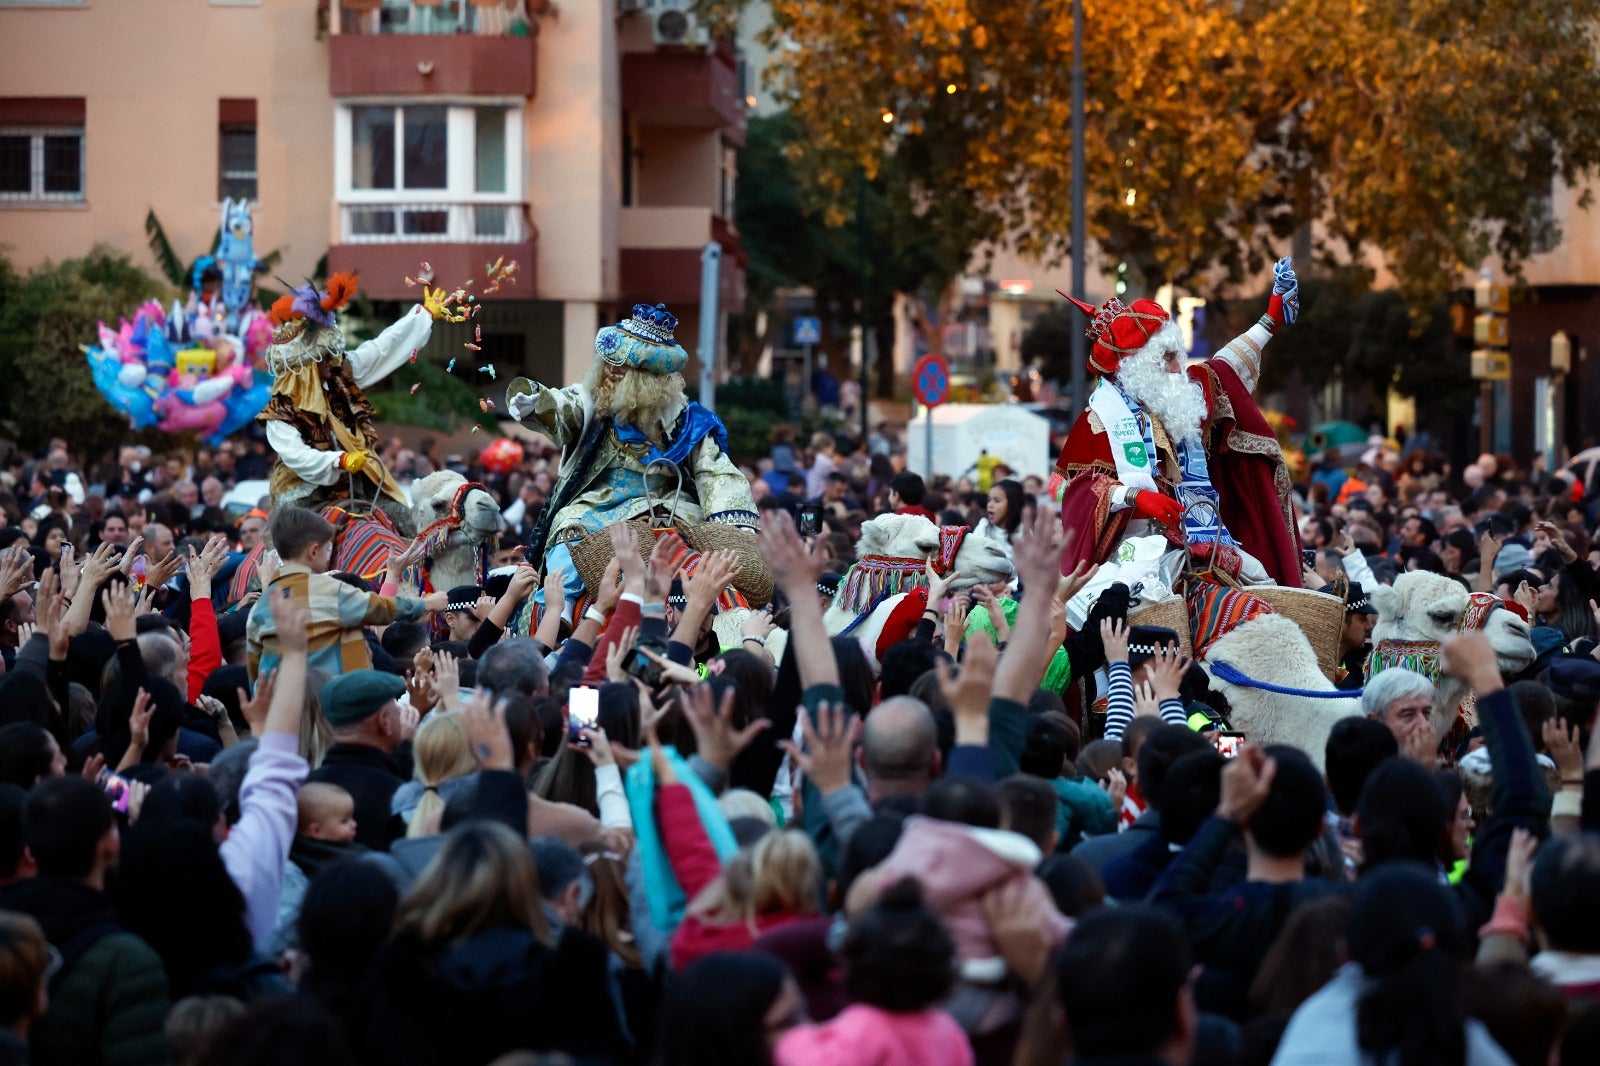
{"x":750,"y":408}
{"x":166,"y":258}
{"x":46,"y":317}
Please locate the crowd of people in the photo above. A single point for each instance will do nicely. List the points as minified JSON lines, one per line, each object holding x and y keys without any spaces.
{"x":330,"y":821}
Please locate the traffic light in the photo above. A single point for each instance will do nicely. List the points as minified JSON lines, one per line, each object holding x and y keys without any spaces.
{"x":1491,"y":331}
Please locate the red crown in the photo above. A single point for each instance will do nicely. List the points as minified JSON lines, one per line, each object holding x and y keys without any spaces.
{"x":1118,"y":330}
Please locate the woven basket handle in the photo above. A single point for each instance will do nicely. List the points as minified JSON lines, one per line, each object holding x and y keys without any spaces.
{"x":649,"y":498}
{"x":1210,"y":572}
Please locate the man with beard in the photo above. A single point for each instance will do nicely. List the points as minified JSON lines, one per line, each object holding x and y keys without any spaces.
{"x":1179,"y":451}
{"x":629,"y":437}
{"x":318,"y":420}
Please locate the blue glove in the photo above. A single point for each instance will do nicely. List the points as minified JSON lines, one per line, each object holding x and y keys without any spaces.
{"x":1286,"y":286}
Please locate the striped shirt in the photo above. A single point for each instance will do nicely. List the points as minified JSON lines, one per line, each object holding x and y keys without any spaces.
{"x":338,"y":613}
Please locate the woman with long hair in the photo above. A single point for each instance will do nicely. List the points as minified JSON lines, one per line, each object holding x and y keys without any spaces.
{"x":474,"y":970}
{"x":1400,"y":1001}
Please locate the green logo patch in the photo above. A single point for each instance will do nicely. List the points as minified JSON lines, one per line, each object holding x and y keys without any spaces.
{"x":1135,"y":454}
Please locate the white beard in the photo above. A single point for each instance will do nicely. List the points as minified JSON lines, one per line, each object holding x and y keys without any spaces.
{"x":1177,"y":402}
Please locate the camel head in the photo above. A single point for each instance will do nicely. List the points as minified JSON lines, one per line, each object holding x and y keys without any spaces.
{"x":1423,"y":606}
{"x":977,"y":560}
{"x":1430,"y":608}
{"x":446,"y":496}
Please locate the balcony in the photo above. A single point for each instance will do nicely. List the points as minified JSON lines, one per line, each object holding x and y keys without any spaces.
{"x":448,"y":48}
{"x":685,"y":87}
{"x":384,"y":241}
{"x":660,"y":255}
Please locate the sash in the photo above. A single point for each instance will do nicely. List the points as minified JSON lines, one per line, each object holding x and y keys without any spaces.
{"x":1132,"y":448}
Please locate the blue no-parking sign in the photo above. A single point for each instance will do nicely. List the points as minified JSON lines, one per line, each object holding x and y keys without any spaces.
{"x":930,"y":381}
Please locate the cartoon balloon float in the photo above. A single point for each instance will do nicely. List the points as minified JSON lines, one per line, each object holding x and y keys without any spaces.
{"x":199,"y":367}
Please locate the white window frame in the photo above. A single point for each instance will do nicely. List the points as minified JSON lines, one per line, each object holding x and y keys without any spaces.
{"x":37,"y":194}
{"x":460,"y":156}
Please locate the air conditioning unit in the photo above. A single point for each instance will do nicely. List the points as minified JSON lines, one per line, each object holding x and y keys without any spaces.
{"x":675,"y":26}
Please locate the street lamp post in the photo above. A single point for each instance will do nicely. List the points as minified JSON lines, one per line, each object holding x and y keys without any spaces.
{"x":1079,"y":372}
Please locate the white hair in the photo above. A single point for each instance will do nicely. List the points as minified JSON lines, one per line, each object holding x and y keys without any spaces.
{"x":1179,"y":403}
{"x":743,"y":803}
{"x":1395,"y":683}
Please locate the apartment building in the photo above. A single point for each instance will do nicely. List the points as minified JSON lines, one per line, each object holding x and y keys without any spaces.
{"x":594,"y":144}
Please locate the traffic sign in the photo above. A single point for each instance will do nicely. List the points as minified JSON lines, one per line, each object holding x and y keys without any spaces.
{"x":807,"y":330}
{"x":930,"y":381}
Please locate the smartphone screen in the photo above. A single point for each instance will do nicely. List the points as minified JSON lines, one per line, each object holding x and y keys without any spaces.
{"x":1309,"y":557}
{"x":116,"y":787}
{"x":583,"y":706}
{"x":1228,"y":742}
{"x":810,"y":521}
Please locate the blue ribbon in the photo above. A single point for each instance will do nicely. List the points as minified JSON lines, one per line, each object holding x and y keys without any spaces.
{"x":1229,"y":673}
{"x":697,"y":422}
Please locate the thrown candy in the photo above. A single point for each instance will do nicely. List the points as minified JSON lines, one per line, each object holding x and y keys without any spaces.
{"x":415,"y":387}
{"x":485,"y":405}
{"x":473,"y":347}
{"x":414,"y":354}
{"x":487,"y":370}
{"x":450,"y":367}
{"x":477,"y":332}
{"x":476,"y":428}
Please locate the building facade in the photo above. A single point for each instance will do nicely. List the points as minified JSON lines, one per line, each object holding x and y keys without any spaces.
{"x":593,"y":143}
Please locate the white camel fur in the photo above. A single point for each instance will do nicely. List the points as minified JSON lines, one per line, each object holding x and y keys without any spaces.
{"x":457,"y":563}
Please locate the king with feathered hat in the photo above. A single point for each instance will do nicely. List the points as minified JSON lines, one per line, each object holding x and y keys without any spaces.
{"x":632,"y":444}
{"x":1179,"y":448}
{"x":318,"y":420}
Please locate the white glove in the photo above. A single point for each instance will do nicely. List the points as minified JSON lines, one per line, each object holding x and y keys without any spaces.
{"x":520,"y":405}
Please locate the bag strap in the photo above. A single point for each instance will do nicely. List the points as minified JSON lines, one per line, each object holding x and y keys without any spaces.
{"x":78,"y":945}
{"x":649,"y":498}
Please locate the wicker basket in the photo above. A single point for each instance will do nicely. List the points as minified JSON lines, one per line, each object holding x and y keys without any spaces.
{"x":1170,"y":613}
{"x":1319,"y":616}
{"x":752,"y":578}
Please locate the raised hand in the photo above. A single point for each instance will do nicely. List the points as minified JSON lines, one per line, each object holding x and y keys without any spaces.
{"x":71,"y":570}
{"x":715,"y":573}
{"x":955,"y":625}
{"x":997,"y":614}
{"x":1037,"y":549}
{"x":1471,"y":658}
{"x":121,"y":605}
{"x":829,"y":744}
{"x":1114,"y":638}
{"x":719,"y":743}
{"x":487,"y":734}
{"x":1145,"y":704}
{"x":1167,"y":674}
{"x":625,"y":550}
{"x":1561,"y":741}
{"x":967,"y":693}
{"x":159,"y":572}
{"x":610,"y":590}
{"x":99,"y":566}
{"x":758,"y":625}
{"x":795,"y":566}
{"x":522,"y":584}
{"x":16,"y":573}
{"x":253,"y":709}
{"x":617,"y":655}
{"x":1246,"y":783}
{"x":938,"y":587}
{"x":131,"y":554}
{"x":203,"y":567}
{"x":446,"y":680}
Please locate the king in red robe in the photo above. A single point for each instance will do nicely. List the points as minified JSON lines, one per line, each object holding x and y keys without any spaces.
{"x":1179,"y":450}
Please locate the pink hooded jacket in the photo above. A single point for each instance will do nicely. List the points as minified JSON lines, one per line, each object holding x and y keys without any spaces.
{"x":958,"y":865}
{"x":867,"y":1036}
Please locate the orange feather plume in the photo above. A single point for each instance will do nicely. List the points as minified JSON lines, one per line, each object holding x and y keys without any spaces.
{"x":282,"y":309}
{"x":341,"y":289}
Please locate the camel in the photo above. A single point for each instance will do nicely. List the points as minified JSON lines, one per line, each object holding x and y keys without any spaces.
{"x":461,"y":518}
{"x":892,"y":551}
{"x":1271,"y":648}
{"x":1423,"y":609}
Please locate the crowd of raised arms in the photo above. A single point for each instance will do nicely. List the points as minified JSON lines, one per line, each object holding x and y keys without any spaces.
{"x":364,"y":824}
